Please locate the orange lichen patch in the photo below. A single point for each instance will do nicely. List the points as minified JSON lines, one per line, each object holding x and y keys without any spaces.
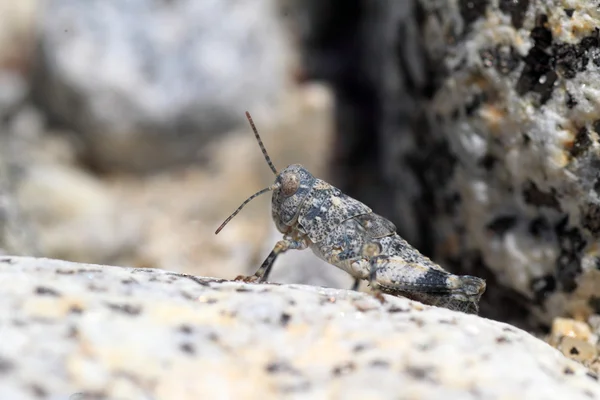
{"x":574,"y":339}
{"x":560,"y":159}
{"x":567,"y":327}
{"x":556,"y":29}
{"x":582,"y":27}
{"x":478,"y":80}
{"x":493,"y":116}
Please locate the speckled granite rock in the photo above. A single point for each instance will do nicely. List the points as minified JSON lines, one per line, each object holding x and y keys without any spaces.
{"x":515,"y":105}
{"x":146,"y":85}
{"x":486,"y":129}
{"x":71,"y":329}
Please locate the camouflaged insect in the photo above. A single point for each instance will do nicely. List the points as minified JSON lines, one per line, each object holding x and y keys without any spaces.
{"x":346,"y":233}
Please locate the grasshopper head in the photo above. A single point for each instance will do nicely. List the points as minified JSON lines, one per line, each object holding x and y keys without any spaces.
{"x":292,"y":186}
{"x":289,"y":190}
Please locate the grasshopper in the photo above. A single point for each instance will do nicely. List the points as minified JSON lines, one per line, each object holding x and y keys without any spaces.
{"x":311,"y":213}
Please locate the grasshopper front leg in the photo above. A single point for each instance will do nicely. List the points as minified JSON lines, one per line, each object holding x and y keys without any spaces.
{"x":393,"y":275}
{"x":262,"y":274}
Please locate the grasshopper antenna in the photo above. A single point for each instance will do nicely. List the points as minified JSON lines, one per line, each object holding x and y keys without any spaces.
{"x":248,"y":200}
{"x":260,"y":143}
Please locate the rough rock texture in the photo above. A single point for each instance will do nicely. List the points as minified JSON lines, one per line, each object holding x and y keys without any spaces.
{"x":114,"y":332}
{"x":147,"y":84}
{"x":485,"y":133}
{"x":516,"y":104}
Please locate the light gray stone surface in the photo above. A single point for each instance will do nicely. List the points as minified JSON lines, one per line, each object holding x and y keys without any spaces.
{"x":69,"y":329}
{"x":146,"y":83}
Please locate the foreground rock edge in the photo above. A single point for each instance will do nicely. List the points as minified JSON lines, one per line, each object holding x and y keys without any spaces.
{"x":276,"y":319}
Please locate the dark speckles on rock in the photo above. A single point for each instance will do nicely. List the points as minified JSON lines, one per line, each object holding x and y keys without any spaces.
{"x":590,"y":218}
{"x":488,"y":162}
{"x":6,"y":365}
{"x":73,"y":332}
{"x":516,"y":9}
{"x":127,"y":309}
{"x":471,"y":10}
{"x":568,"y":269}
{"x":186,"y":329}
{"x":594,"y":303}
{"x":502,"y":224}
{"x":343,"y":369}
{"x":568,"y":262}
{"x":541,"y":35}
{"x":542,"y":287}
{"x":539,"y":227}
{"x":284,"y":320}
{"x":596,"y":126}
{"x":570,"y":60}
{"x":359,"y":348}
{"x":568,"y":371}
{"x":65,"y":271}
{"x":581,"y":143}
{"x":38,"y":391}
{"x":597,"y":187}
{"x":534,"y":196}
{"x":75,"y":309}
{"x":380,"y":364}
{"x":187,"y":295}
{"x":396,"y":309}
{"x":569,"y":12}
{"x":570,"y":239}
{"x":538,"y":74}
{"x":420,"y":373}
{"x":95,"y":288}
{"x":571,"y":102}
{"x":46,"y":291}
{"x":507,"y":59}
{"x":187,"y":348}
{"x":474,"y":103}
{"x":592,"y":375}
{"x":281,"y":367}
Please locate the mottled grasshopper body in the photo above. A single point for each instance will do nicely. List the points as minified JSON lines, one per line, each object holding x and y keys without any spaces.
{"x":346,"y":233}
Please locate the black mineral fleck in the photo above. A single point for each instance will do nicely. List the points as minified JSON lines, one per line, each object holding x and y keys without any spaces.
{"x":46,"y":291}
{"x":534,"y":196}
{"x":582,"y":142}
{"x":471,"y":10}
{"x":542,"y":287}
{"x":502,"y":224}
{"x":516,"y":9}
{"x":571,"y":102}
{"x":125,"y":308}
{"x":590,"y":218}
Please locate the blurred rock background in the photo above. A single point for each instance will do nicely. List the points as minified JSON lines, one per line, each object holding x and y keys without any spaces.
{"x":124,"y":139}
{"x":472,"y":124}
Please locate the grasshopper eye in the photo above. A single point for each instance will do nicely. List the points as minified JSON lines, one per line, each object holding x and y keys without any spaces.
{"x":289,"y":184}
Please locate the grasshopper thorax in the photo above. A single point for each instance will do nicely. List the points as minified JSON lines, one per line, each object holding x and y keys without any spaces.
{"x":293,"y":185}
